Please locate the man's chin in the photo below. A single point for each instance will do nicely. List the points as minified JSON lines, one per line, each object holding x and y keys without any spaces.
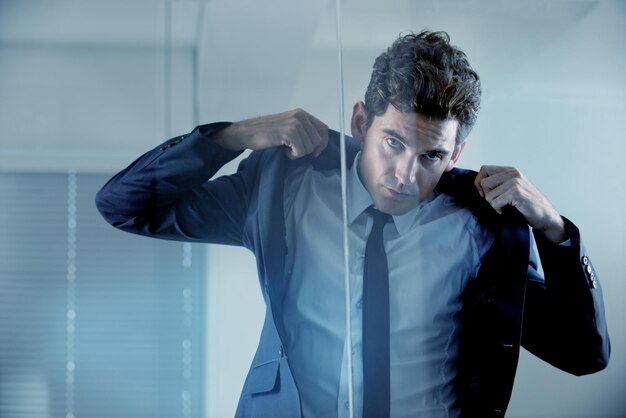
{"x":395,"y":208}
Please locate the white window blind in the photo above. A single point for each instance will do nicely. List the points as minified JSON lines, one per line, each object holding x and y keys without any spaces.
{"x":94,"y":322}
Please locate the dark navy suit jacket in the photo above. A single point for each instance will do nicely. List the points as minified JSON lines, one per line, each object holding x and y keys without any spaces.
{"x":166,"y":194}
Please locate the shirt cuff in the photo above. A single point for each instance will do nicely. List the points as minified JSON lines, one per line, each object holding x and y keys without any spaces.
{"x":566,"y":243}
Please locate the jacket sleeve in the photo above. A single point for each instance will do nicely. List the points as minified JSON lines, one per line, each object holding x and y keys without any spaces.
{"x":166,"y":193}
{"x":564,"y":321}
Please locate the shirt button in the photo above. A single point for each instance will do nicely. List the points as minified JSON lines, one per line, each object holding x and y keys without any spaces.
{"x":347,"y":405}
{"x":359,"y":303}
{"x":280,"y":351}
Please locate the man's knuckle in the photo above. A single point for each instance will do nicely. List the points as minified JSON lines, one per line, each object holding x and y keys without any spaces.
{"x":299,"y":114}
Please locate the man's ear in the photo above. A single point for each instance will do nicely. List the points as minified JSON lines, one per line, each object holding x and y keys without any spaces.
{"x":455,"y":155}
{"x":359,"y":121}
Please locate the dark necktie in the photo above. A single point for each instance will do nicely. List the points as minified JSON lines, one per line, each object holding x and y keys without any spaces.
{"x":376,"y":322}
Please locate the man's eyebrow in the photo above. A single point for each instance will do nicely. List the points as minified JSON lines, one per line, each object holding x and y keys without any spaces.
{"x":441,"y":151}
{"x":397,"y":135}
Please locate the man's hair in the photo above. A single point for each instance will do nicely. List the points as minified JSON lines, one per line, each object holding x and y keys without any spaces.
{"x":424,"y":73}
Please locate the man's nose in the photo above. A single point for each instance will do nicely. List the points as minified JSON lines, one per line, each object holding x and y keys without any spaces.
{"x":406,"y":171}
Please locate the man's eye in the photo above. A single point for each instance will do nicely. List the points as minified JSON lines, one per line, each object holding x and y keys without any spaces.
{"x":394,"y":143}
{"x":432,"y":156}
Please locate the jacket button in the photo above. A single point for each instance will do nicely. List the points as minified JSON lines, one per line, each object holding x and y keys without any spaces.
{"x":589,"y":269}
{"x":585,"y":260}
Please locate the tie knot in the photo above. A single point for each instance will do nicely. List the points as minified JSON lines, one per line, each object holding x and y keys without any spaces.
{"x":380,"y":218}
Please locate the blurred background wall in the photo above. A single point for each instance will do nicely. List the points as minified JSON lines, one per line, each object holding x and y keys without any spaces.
{"x":86,"y":87}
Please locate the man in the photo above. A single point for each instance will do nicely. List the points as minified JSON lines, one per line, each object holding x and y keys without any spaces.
{"x":459,"y":285}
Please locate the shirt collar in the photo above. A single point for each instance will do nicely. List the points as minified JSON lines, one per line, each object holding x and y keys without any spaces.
{"x":405,"y":222}
{"x":359,"y":200}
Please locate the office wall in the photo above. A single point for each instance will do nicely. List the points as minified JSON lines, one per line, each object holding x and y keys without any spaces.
{"x":89,"y":108}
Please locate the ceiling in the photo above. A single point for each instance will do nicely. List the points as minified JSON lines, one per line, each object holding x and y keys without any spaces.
{"x":143,"y":22}
{"x":138,"y":23}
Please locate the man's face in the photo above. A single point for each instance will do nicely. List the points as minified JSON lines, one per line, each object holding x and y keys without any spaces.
{"x":403,"y":156}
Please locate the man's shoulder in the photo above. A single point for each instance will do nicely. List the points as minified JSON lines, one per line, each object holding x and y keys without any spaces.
{"x":330,"y":158}
{"x":456,"y":178}
{"x":458,"y":183}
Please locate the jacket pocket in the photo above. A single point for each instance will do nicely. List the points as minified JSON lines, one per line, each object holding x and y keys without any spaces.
{"x":263,"y":378}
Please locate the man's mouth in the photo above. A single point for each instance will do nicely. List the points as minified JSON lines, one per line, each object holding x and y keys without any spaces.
{"x":398,"y":195}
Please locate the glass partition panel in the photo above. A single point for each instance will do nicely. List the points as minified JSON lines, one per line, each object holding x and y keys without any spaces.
{"x":257,"y":59}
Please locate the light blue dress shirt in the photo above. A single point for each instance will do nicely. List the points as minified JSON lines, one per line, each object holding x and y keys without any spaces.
{"x":432,"y":251}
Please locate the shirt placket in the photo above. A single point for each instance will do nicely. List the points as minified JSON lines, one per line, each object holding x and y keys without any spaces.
{"x":357,"y":252}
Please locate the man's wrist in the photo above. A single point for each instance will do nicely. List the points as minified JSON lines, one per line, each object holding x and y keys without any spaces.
{"x":555,"y":232}
{"x":229,"y":138}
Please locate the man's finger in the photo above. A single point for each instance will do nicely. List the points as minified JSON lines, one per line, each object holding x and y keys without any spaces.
{"x":319,"y":133}
{"x":493,"y":173}
{"x":484,"y":172}
{"x":320,"y":127}
{"x":312,"y":136}
{"x":496,"y":179}
{"x":494,"y":195}
{"x":299,"y":143}
{"x":501,"y":196}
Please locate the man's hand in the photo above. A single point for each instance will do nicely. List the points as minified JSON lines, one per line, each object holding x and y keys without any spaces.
{"x":298,"y":131}
{"x":504,"y":186}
